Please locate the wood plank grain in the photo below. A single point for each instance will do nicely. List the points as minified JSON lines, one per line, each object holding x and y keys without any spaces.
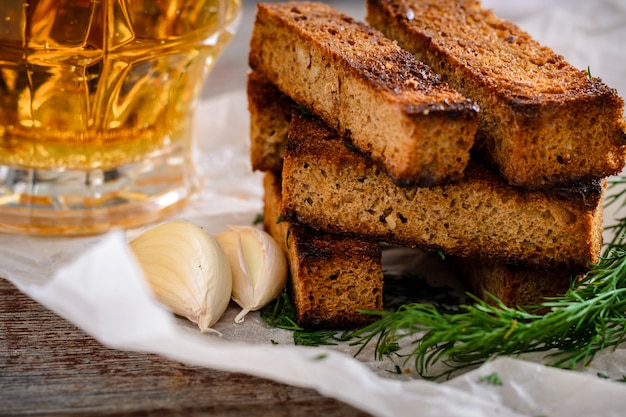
{"x":50,"y":367}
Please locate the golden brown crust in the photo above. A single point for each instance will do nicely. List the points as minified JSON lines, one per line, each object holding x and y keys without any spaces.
{"x":331,"y":277}
{"x":333,"y":188}
{"x":543,"y":122}
{"x":366,"y":87}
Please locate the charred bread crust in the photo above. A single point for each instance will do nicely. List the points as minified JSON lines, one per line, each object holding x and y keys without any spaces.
{"x":543,"y":122}
{"x":363,"y":85}
{"x":329,"y":186}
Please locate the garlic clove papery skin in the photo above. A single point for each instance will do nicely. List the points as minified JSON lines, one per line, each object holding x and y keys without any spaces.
{"x":187,"y":270}
{"x":258,"y":265}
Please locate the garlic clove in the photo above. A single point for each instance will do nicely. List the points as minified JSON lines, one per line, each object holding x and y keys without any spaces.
{"x":258,"y":265}
{"x":187,"y":271}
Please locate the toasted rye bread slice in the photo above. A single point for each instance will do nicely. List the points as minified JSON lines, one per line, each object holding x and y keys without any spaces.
{"x":366,"y":87}
{"x":331,"y":187}
{"x":543,"y":122}
{"x":331,"y":277}
{"x":514,"y":285}
{"x":270,"y":113}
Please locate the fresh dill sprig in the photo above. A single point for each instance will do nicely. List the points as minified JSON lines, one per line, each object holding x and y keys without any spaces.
{"x":281,"y":313}
{"x":351,"y":147}
{"x":616,"y":198}
{"x":258,"y":219}
{"x":491,"y":379}
{"x":588,"y":318}
{"x":615,"y":191}
{"x":302,"y":110}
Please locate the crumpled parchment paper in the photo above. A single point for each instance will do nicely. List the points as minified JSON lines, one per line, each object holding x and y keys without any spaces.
{"x":95,"y":283}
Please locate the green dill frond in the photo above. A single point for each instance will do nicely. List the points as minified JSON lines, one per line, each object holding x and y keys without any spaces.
{"x":588,"y":318}
{"x":350,"y":147}
{"x":302,"y":110}
{"x":287,"y":236}
{"x":492,"y":379}
{"x":281,"y":313}
{"x":616,"y":199}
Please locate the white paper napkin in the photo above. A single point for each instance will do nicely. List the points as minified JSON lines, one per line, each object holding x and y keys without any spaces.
{"x":95,"y":283}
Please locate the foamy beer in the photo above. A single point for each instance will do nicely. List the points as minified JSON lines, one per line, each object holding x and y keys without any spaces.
{"x":96,"y":105}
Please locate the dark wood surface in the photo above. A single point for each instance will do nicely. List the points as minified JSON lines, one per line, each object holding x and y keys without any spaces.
{"x":49,"y":367}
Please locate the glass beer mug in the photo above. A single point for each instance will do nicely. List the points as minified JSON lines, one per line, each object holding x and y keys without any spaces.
{"x":96,"y":104}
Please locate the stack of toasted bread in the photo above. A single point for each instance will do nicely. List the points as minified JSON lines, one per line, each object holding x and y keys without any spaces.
{"x":439,"y":127}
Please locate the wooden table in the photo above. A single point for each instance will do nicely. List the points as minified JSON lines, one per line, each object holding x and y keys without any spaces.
{"x":49,"y":367}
